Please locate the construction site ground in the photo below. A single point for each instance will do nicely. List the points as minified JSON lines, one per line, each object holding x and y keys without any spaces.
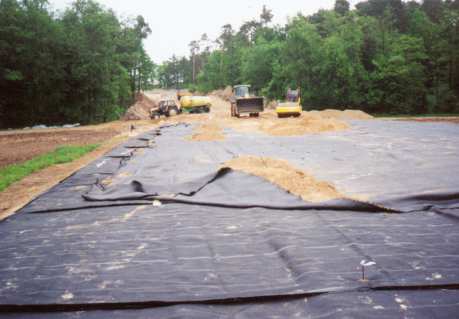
{"x":23,"y":145}
{"x":333,"y":214}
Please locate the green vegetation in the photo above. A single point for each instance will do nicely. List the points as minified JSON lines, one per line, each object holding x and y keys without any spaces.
{"x":85,"y":64}
{"x":385,"y":56}
{"x":82,"y":65}
{"x":64,"y":154}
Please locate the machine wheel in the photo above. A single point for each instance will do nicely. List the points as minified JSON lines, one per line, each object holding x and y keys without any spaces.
{"x":207,"y":109}
{"x":173,"y":111}
{"x":297,"y":115}
{"x":254,"y":114}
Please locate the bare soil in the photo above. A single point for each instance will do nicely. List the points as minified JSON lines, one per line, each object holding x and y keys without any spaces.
{"x":306,"y":124}
{"x":343,"y":115}
{"x":312,"y":122}
{"x":19,"y":146}
{"x":23,"y":147}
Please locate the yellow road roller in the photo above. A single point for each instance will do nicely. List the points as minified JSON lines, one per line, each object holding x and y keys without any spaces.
{"x":195,"y":104}
{"x":292,"y":105}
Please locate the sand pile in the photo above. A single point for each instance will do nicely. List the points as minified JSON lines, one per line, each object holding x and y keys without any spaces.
{"x":207,"y":132}
{"x":145,"y":101}
{"x":312,"y":122}
{"x":272,"y":105}
{"x":306,"y":124}
{"x":284,"y":175}
{"x":223,"y":94}
{"x":268,"y":123}
{"x":343,"y":115}
{"x":141,"y":109}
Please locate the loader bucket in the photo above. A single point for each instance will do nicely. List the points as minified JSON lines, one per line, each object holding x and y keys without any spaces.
{"x":250,"y":105}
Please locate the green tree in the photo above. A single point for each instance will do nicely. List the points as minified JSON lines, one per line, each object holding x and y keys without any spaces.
{"x":383,"y":56}
{"x":258,"y":63}
{"x":302,"y":58}
{"x":79,"y":66}
{"x":399,"y":78}
{"x":266,"y":16}
{"x":433,"y":8}
{"x":342,"y":7}
{"x":343,"y":76}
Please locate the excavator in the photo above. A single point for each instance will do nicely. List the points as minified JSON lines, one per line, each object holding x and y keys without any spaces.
{"x":242,"y":102}
{"x":292,"y":105}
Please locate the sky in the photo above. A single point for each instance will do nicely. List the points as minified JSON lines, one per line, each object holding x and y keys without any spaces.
{"x":175,"y":23}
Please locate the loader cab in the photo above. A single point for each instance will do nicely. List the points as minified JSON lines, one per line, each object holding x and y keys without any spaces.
{"x":243,"y":102}
{"x":241,"y":91}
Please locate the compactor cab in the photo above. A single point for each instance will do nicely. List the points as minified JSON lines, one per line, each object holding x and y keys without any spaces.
{"x":293,"y":95}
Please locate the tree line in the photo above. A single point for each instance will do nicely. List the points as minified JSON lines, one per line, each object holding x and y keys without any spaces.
{"x":384,"y":56}
{"x":80,"y":65}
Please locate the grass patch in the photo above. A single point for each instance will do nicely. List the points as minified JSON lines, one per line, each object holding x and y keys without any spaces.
{"x":63,"y":154}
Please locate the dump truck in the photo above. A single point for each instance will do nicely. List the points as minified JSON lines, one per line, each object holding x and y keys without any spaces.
{"x":195,"y":104}
{"x":244,"y":103}
{"x":291,"y":106}
{"x":166,"y":108}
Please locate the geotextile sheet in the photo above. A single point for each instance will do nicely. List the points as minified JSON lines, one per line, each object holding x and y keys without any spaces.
{"x":157,"y":228}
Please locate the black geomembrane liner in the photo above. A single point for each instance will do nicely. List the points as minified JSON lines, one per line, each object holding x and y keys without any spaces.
{"x":174,"y":235}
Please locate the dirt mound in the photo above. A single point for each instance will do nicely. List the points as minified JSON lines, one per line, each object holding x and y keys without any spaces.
{"x":343,"y":115}
{"x":272,"y":105}
{"x":284,"y":175}
{"x":306,"y":124}
{"x":207,"y":132}
{"x":141,"y":109}
{"x":223,"y":94}
{"x":268,"y":123}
